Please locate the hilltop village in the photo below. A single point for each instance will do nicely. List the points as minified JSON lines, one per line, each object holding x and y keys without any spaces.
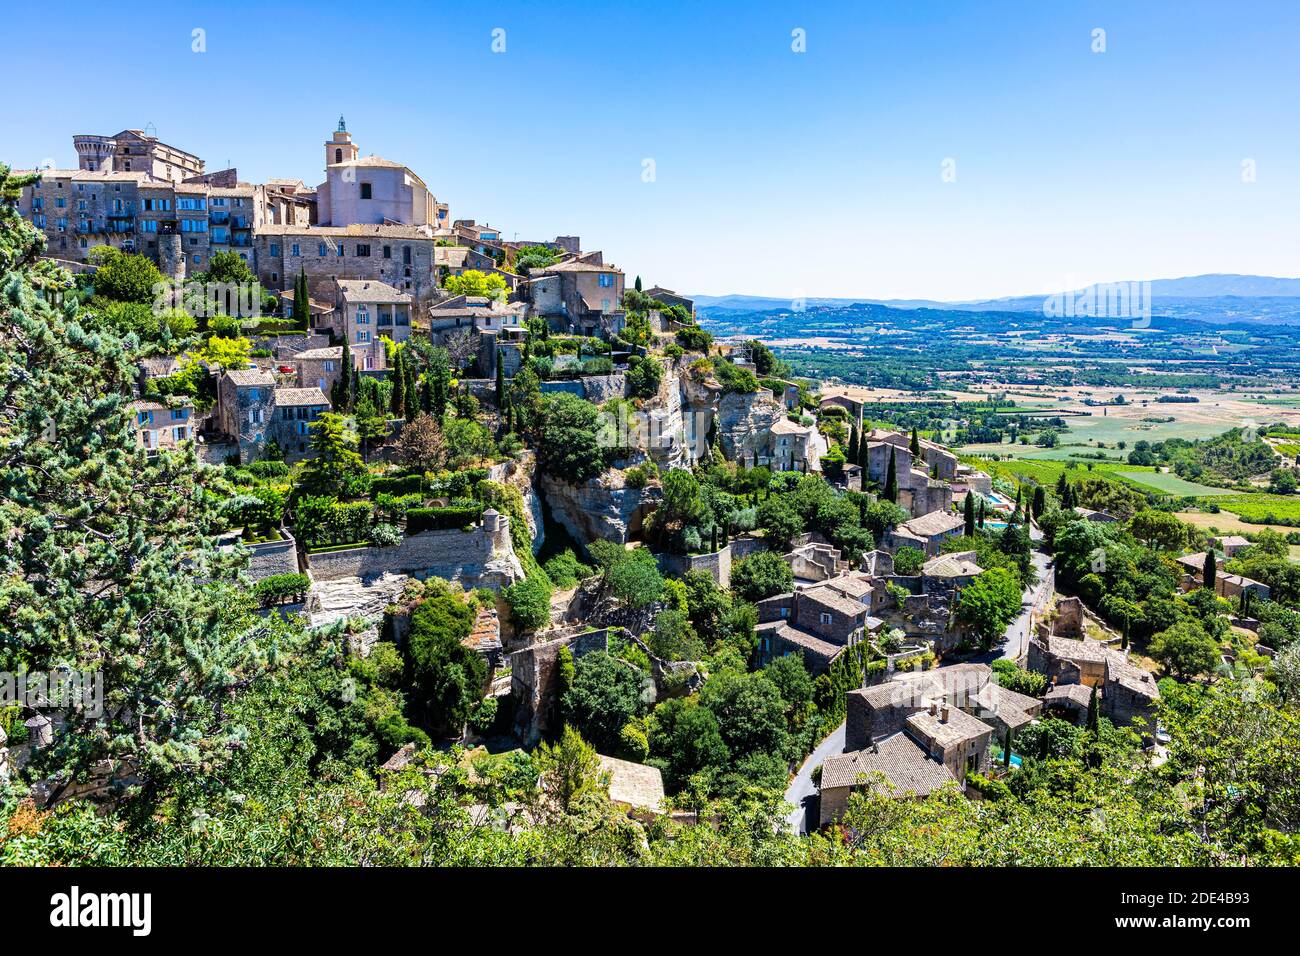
{"x":519,"y":533}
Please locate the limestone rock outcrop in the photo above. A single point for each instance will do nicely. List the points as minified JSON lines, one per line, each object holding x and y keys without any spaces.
{"x":603,"y":507}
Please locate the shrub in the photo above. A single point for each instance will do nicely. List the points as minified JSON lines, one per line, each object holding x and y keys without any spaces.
{"x":643,"y":376}
{"x":268,"y":469}
{"x":385,"y":536}
{"x":1015,"y":678}
{"x":604,"y":697}
{"x":733,"y":378}
{"x":397,"y":485}
{"x":641,"y":475}
{"x":483,"y":715}
{"x":442,"y":518}
{"x":908,"y":561}
{"x":530,"y":601}
{"x":694,"y":339}
{"x":565,"y":570}
{"x":635,"y":579}
{"x":279,"y":588}
{"x":448,"y":678}
{"x":761,"y":576}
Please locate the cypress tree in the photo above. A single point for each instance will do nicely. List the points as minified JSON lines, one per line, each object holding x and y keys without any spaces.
{"x":970,"y":514}
{"x":891,"y":483}
{"x":1006,"y":750}
{"x":397,"y":400}
{"x":638,"y":283}
{"x":426,"y":392}
{"x":852,"y":454}
{"x":412,"y":402}
{"x":301,"y":305}
{"x":1123,"y":641}
{"x":1211,"y":570}
{"x":982,"y":513}
{"x":1040,"y":502}
{"x":1094,"y":713}
{"x":344,"y":390}
{"x":916,"y":443}
{"x":1061,"y":486}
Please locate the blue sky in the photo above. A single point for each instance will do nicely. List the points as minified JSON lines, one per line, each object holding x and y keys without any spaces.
{"x":776,"y":173}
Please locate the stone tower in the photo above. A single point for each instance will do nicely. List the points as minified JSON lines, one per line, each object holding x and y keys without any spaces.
{"x":171,"y":253}
{"x":340,"y":148}
{"x":94,"y":152}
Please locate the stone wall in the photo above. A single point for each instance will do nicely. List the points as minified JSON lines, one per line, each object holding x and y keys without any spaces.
{"x":477,"y":558}
{"x":533,"y":681}
{"x":743,"y":547}
{"x":273,"y":557}
{"x":717,"y":565}
{"x":599,"y":389}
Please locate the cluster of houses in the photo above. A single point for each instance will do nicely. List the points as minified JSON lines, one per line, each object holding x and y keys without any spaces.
{"x":918,"y":731}
{"x":370,"y":219}
{"x":373,"y":241}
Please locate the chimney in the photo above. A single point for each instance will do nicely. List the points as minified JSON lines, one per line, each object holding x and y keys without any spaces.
{"x":944,"y":714}
{"x":934,"y":708}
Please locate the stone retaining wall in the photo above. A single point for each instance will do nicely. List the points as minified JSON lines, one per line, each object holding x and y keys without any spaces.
{"x":717,"y":565}
{"x":273,"y":557}
{"x":477,"y":558}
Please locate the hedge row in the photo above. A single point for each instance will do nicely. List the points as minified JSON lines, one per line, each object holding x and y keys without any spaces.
{"x":279,"y":588}
{"x":442,"y":519}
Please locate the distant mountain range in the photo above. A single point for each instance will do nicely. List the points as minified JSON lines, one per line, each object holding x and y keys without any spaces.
{"x":1209,"y":298}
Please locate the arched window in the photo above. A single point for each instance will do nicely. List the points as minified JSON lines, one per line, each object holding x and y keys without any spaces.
{"x":338,"y":155}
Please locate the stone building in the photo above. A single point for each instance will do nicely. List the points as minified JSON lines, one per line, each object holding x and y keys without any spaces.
{"x":367,"y":310}
{"x":245,"y":405}
{"x":319,"y":367}
{"x":1127,"y":691}
{"x":796,"y":447}
{"x":817,"y":622}
{"x":134,"y":150}
{"x":294,"y":409}
{"x":918,"y":492}
{"x":160,"y":426}
{"x":252,"y":410}
{"x":370,"y":189}
{"x":669,"y":297}
{"x":398,"y":256}
{"x":1226,"y":585}
{"x":590,"y":295}
{"x":915,"y":734}
{"x":928,"y":532}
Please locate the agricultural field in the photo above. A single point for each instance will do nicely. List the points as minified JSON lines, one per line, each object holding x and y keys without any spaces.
{"x":1226,"y":522}
{"x":1262,"y":508}
{"x":1171,"y":484}
{"x":1046,"y":471}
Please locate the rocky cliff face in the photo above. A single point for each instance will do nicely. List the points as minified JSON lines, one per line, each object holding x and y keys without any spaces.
{"x":521,"y":472}
{"x":744,"y":424}
{"x":687,"y":407}
{"x":601,"y":508}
